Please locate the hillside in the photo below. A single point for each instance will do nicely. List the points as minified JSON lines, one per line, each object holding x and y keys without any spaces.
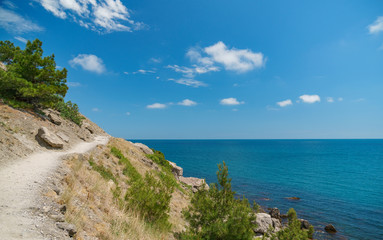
{"x":61,"y":181}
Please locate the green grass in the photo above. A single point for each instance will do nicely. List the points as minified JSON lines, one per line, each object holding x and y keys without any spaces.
{"x":104,"y":172}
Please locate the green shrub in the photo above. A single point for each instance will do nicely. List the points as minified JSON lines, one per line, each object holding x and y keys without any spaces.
{"x":217,"y":214}
{"x":293,"y":229}
{"x":159,"y":158}
{"x":69,"y":111}
{"x":151,"y":198}
{"x":148,"y":196}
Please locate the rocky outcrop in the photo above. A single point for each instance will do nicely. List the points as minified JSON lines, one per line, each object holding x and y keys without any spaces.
{"x":50,"y":138}
{"x":264,"y":222}
{"x":143,"y":148}
{"x":176,"y":170}
{"x":195,"y":183}
{"x":330,"y":228}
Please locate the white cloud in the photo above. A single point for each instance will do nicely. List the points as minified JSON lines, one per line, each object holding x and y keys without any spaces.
{"x":143,"y":71}
{"x":190,"y":72}
{"x":330,"y":99}
{"x":230,"y":101}
{"x":207,"y":60}
{"x":189,"y":82}
{"x":340,"y":99}
{"x":377,"y":26}
{"x":97,"y":15}
{"x":88,"y":62}
{"x":310,"y":98}
{"x":155,"y":60}
{"x":95,"y":110}
{"x":187,"y":102}
{"x":285,"y":103}
{"x":15,"y":23}
{"x":21,"y":39}
{"x":240,"y":60}
{"x":127,"y":113}
{"x":73,"y":84}
{"x":156,"y":106}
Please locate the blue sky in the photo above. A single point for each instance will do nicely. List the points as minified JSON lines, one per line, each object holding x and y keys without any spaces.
{"x":214,"y":69}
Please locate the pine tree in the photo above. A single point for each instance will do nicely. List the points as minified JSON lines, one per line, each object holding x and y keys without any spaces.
{"x":30,"y":80}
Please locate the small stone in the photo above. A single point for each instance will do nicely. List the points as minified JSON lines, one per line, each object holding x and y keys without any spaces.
{"x":46,"y":209}
{"x":58,"y":217}
{"x":63,"y":209}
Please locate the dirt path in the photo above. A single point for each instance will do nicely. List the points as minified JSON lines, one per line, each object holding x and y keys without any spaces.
{"x":19,"y":184}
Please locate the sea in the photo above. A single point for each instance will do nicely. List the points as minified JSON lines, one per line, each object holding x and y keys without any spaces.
{"x":338,"y":182}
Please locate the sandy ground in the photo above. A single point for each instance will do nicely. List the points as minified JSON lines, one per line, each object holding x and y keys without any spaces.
{"x":19,"y":184}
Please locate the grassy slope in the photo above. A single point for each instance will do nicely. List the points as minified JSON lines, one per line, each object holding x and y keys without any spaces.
{"x":94,"y":202}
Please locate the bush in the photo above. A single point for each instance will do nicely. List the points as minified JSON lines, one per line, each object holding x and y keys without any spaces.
{"x":148,"y":196}
{"x":151,"y":198}
{"x":70,"y":111}
{"x":31,"y":80}
{"x":293,"y":229}
{"x":217,"y":214}
{"x":159,"y":158}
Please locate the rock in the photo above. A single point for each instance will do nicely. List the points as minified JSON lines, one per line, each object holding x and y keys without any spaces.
{"x":330,"y":228}
{"x":88,"y":127}
{"x":195,"y":183}
{"x":54,"y":118}
{"x":50,"y":138}
{"x":63,"y":209}
{"x":274,"y":213}
{"x":62,"y":135}
{"x":264,"y":221}
{"x":293,"y":198}
{"x":176,"y":170}
{"x":70,"y":228}
{"x":304,"y":224}
{"x":46,"y":209}
{"x":57,"y":217}
{"x":143,"y":148}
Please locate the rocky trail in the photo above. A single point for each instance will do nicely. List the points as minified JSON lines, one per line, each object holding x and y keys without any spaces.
{"x":20,"y":186}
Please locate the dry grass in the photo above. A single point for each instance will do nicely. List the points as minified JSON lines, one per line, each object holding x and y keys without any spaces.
{"x":94,"y":210}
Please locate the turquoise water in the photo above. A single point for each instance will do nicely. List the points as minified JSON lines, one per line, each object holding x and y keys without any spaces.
{"x":338,"y":181}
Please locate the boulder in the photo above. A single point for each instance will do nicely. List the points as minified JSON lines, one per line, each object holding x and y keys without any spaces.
{"x":70,"y":228}
{"x":176,"y":170}
{"x":274,"y":213}
{"x":304,"y":224}
{"x":330,"y":228}
{"x":195,"y":183}
{"x":54,"y":118}
{"x":264,"y":221}
{"x":143,"y":148}
{"x":62,"y":135}
{"x":50,"y":138}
